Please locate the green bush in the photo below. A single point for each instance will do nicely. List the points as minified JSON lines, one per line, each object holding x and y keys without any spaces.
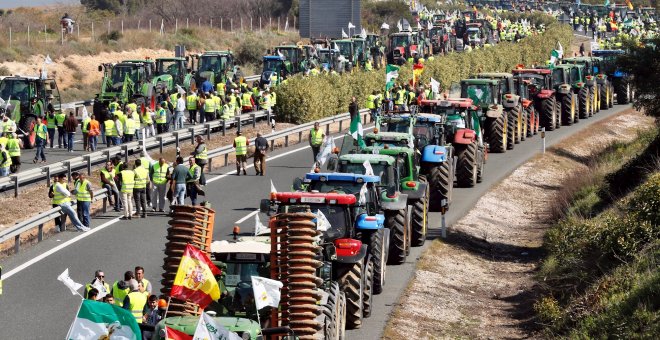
{"x":4,"y":71}
{"x":106,"y":38}
{"x":250,"y":50}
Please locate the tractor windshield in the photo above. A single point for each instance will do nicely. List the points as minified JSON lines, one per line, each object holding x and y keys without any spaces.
{"x":423,"y":135}
{"x":355,"y":168}
{"x":400,"y":125}
{"x":120,"y":72}
{"x":325,"y":57}
{"x":214,"y":63}
{"x":345,"y":48}
{"x":337,"y":186}
{"x":171,"y":67}
{"x":336,"y":215}
{"x":400,"y":41}
{"x":479,"y":93}
{"x":17,"y":89}
{"x":558,"y":76}
{"x":242,"y":272}
{"x":291,"y":54}
{"x":273,"y":65}
{"x":575,"y":75}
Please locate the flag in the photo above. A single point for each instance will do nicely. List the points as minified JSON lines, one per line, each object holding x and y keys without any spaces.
{"x":194,"y":279}
{"x":363,"y":33}
{"x":356,"y":130}
{"x":173,"y":334}
{"x":630,"y":5}
{"x":399,"y":26}
{"x":391,"y":73}
{"x":101,"y":288}
{"x":272,"y":187}
{"x":326,"y":150}
{"x":48,"y":61}
{"x":266,"y":292}
{"x":435,"y":86}
{"x":100,"y":320}
{"x":286,"y":24}
{"x":429,"y":25}
{"x":350,"y":25}
{"x":417,"y":72}
{"x":384,"y":26}
{"x":259,"y":228}
{"x":208,"y":329}
{"x":69,"y":283}
{"x":343,"y":34}
{"x":607,"y":3}
{"x":363,"y":194}
{"x":180,"y":90}
{"x":322,"y":223}
{"x":85,"y":113}
{"x":368,"y":170}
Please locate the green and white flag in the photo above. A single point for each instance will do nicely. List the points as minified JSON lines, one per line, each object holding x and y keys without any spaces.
{"x":391,"y":74}
{"x":556,"y":54}
{"x":96,"y":320}
{"x":356,"y":130}
{"x":208,"y":329}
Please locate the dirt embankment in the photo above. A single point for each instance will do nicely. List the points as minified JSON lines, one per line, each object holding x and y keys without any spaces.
{"x":479,"y":282}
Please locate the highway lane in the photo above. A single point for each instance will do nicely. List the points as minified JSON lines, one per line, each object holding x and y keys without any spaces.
{"x":33,"y":293}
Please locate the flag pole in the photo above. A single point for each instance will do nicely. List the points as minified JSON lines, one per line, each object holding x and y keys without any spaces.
{"x":169,"y":298}
{"x":68,"y":334}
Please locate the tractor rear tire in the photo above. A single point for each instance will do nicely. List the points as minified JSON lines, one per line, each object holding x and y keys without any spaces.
{"x":549,"y":119}
{"x":622,"y":97}
{"x":367,"y":293}
{"x":512,"y":127}
{"x":532,"y":120}
{"x":566,"y":109}
{"x":467,"y":168}
{"x":396,"y":222}
{"x":333,"y":313}
{"x":583,"y":103}
{"x":379,"y":257}
{"x":441,"y":181}
{"x":351,"y":282}
{"x":28,"y":125}
{"x":604,"y":100}
{"x":524,"y":129}
{"x":595,"y":92}
{"x":497,"y":133}
{"x":420,"y":217}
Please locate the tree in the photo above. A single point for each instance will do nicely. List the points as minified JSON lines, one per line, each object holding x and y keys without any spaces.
{"x":642,"y":63}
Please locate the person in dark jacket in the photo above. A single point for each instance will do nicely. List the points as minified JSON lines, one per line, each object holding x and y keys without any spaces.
{"x":70,"y":126}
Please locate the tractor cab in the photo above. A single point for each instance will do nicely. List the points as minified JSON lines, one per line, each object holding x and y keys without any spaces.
{"x":274,"y":68}
{"x":453,"y":114}
{"x":214,"y":66}
{"x":128,"y":80}
{"x":540,"y":79}
{"x":294,"y":56}
{"x":171,"y":72}
{"x":402,"y":46}
{"x":474,"y":35}
{"x":364,"y":187}
{"x":347,"y":53}
{"x":484,"y":93}
{"x":361,"y":50}
{"x":329,"y":60}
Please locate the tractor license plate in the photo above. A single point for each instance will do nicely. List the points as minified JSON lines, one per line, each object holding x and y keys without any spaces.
{"x":312,"y":200}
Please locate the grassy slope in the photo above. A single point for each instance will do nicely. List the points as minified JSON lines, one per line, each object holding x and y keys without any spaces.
{"x":601,"y":276}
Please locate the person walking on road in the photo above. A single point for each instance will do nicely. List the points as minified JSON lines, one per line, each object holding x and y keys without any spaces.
{"x":93,"y":130}
{"x":118,"y":133}
{"x":140,"y":189}
{"x":192,"y":180}
{"x":129,"y":129}
{"x":42,"y":136}
{"x":180,"y":112}
{"x":201,"y":157}
{"x":14,"y":146}
{"x":84,"y":127}
{"x":52,"y":126}
{"x":241,"y":144}
{"x":127,"y":179}
{"x":98,"y":281}
{"x":147,"y":120}
{"x":179,"y":175}
{"x":61,"y":133}
{"x":161,"y":118}
{"x":135,"y":300}
{"x":260,"y":149}
{"x":5,"y":161}
{"x":108,"y":180}
{"x":316,"y":137}
{"x":159,"y":173}
{"x":84,"y":197}
{"x":191,"y":105}
{"x":70,"y":126}
{"x":62,"y":197}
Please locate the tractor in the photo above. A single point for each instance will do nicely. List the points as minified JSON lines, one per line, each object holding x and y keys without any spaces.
{"x":542,"y":92}
{"x":402,"y":47}
{"x":295,"y":56}
{"x":20,"y":92}
{"x":590,"y":80}
{"x":440,"y":40}
{"x":362,"y":52}
{"x":512,"y":105}
{"x":214,"y":66}
{"x":565,"y":93}
{"x":347,"y":54}
{"x":486,"y":96}
{"x":128,"y":80}
{"x":459,"y":128}
{"x":530,"y":116}
{"x":329,"y":60}
{"x":275,"y":69}
{"x":581,"y":88}
{"x":171,"y":72}
{"x":618,"y":81}
{"x":474,"y":35}
{"x":342,"y":257}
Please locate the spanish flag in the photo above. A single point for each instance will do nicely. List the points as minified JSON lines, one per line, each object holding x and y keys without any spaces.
{"x":173,"y":334}
{"x":195,"y":279}
{"x":417,"y":72}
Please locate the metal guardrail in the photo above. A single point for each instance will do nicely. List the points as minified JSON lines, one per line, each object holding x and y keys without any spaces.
{"x":97,"y":157}
{"x":38,"y":221}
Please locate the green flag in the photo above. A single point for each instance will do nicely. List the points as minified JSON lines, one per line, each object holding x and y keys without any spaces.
{"x":391,"y":74}
{"x":356,"y":130}
{"x":98,"y":319}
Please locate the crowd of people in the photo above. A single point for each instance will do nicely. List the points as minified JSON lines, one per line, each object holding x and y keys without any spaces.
{"x":611,"y":30}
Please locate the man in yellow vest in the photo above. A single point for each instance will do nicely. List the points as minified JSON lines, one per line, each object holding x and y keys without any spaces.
{"x":161,"y":118}
{"x":5,"y":162}
{"x":265,"y":101}
{"x":14,"y":146}
{"x":42,"y":137}
{"x":85,"y":131}
{"x":246,"y":101}
{"x":51,"y":124}
{"x":209,"y":107}
{"x":140,"y":188}
{"x":61,"y":197}
{"x":99,"y":283}
{"x":316,"y":137}
{"x":139,"y":277}
{"x":191,"y":106}
{"x":60,"y":117}
{"x":147,"y":124}
{"x":121,"y":288}
{"x":108,"y":182}
{"x":84,"y":196}
{"x":135,"y":300}
{"x":217,"y":100}
{"x":109,"y":126}
{"x":131,"y":107}
{"x":241,"y":144}
{"x":158,"y":173}
{"x":371,"y":104}
{"x":192,"y":180}
{"x":114,"y":105}
{"x":201,"y":157}
{"x":227,"y":111}
{"x":129,"y":129}
{"x":127,"y":182}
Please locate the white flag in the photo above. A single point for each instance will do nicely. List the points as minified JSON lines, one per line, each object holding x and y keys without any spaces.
{"x":368,"y":170}
{"x":48,"y":61}
{"x":399,"y":26}
{"x":363,"y":194}
{"x":286,"y":24}
{"x":328,"y":145}
{"x":560,"y":50}
{"x":322,"y":223}
{"x":363,"y":34}
{"x":266,"y":292}
{"x":101,"y":288}
{"x":350,"y":25}
{"x":162,"y":26}
{"x":358,"y":132}
{"x":429,"y":26}
{"x":384,"y":26}
{"x":435,"y":86}
{"x":208,"y":329}
{"x":69,"y":283}
{"x":260,"y":228}
{"x":180,"y":90}
{"x":272,"y":187}
{"x":85,"y":114}
{"x":343,"y":34}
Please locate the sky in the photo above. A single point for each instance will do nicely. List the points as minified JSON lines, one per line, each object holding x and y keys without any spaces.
{"x":28,"y":3}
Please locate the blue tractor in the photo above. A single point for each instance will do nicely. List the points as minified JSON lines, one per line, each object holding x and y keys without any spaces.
{"x":619,"y":80}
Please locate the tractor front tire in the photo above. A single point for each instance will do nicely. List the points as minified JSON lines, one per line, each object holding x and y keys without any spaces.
{"x":567,"y":109}
{"x":351,"y":282}
{"x":512,"y":127}
{"x":441,"y":181}
{"x":419,"y":220}
{"x":549,"y":119}
{"x":396,"y":222}
{"x":379,"y":256}
{"x":497,"y":133}
{"x":622,"y":96}
{"x":367,"y":293}
{"x":583,"y":103}
{"x":604,"y":98}
{"x":467,"y":168}
{"x":333,"y":312}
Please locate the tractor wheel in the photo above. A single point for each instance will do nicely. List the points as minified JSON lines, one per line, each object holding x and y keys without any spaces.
{"x":379,"y":256}
{"x":621,"y":93}
{"x":512,"y":127}
{"x":367,"y":293}
{"x":28,"y":124}
{"x":531,"y":121}
{"x":583,"y":103}
{"x":604,"y":98}
{"x":611,"y":103}
{"x":497,"y":133}
{"x":333,"y":312}
{"x":419,"y":220}
{"x":524,"y":129}
{"x":548,"y":113}
{"x":566,"y":109}
{"x":481,"y":158}
{"x":396,"y":222}
{"x":467,"y":168}
{"x":441,"y":181}
{"x":595,"y":100}
{"x":351,"y":282}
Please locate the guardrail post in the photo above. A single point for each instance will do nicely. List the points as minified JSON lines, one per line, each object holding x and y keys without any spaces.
{"x":160,"y":141}
{"x":268,"y":116}
{"x":341,"y":122}
{"x":105,"y":203}
{"x":192,"y":135}
{"x":224,"y":127}
{"x":254,"y":119}
{"x":88,"y":158}
{"x":107,"y":155}
{"x":40,"y":234}
{"x":210,"y":166}
{"x":300,"y":137}
{"x":226,"y":159}
{"x":327,"y":129}
{"x":48,"y":177}
{"x":272,"y":145}
{"x":208,"y":131}
{"x":286,"y":141}
{"x":17,"y":243}
{"x":68,"y":170}
{"x":125,"y":150}
{"x":365,"y":119}
{"x":176,"y":139}
{"x":15,"y":178}
{"x":238,"y":123}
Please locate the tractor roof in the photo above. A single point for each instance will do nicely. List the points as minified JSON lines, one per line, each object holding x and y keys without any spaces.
{"x":600,"y":53}
{"x":499,"y":75}
{"x":254,"y":247}
{"x":188,"y":324}
{"x":315,"y":197}
{"x":531,"y":70}
{"x":450,"y":102}
{"x":18,"y":77}
{"x":428,"y":118}
{"x":217,"y":53}
{"x":473,"y":24}
{"x":391,"y":150}
{"x":172,"y":58}
{"x":359,"y":158}
{"x":273,"y":57}
{"x":386,"y":135}
{"x":473,"y":81}
{"x":343,"y":40}
{"x":570,"y":65}
{"x":137,"y":61}
{"x":577,"y":59}
{"x":341,"y":177}
{"x":287,"y":47}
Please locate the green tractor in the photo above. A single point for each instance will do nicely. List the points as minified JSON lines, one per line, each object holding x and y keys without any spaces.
{"x":512,"y":103}
{"x":171,"y":72}
{"x":20,"y":92}
{"x":214,"y":66}
{"x":562,"y":80}
{"x":583,"y":87}
{"x":130,"y":79}
{"x":295,"y":56}
{"x":485,"y":95}
{"x":348,"y":57}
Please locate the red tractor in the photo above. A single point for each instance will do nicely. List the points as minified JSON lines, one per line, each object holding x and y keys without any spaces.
{"x":541,"y":91}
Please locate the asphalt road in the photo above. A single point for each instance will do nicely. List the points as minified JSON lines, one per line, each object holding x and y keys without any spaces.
{"x":36,"y":306}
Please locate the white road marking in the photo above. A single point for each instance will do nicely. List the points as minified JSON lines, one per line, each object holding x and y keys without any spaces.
{"x":247,"y":216}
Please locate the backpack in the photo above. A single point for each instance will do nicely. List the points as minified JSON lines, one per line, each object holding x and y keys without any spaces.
{"x":51,"y":192}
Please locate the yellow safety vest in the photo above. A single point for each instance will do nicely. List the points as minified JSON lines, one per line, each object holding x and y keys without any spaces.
{"x":89,"y":287}
{"x":7,"y":126}
{"x":51,"y":122}
{"x":127,"y":181}
{"x":119,"y":294}
{"x":317,"y":136}
{"x":245,"y":100}
{"x":130,"y":127}
{"x":401,"y":97}
{"x":233,"y":100}
{"x":141,"y":175}
{"x":203,"y":154}
{"x":273,"y":99}
{"x":160,"y":173}
{"x":132,"y":106}
{"x":42,"y":131}
{"x":209,"y":105}
{"x":146,"y":119}
{"x":137,"y":301}
{"x":107,"y":174}
{"x":85,"y":124}
{"x":173,"y":97}
{"x":191,"y":172}
{"x":113,"y":106}
{"x":109,"y":128}
{"x":191,"y":102}
{"x":58,"y":197}
{"x":220,"y":87}
{"x":241,"y":145}
{"x":370,"y":102}
{"x":82,"y":195}
{"x":59,"y":119}
{"x":3,"y":141}
{"x":13,"y":147}
{"x":161,"y":116}
{"x":144,"y":163}
{"x":7,"y":162}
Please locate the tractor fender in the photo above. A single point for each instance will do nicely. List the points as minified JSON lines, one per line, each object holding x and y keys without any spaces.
{"x":564,"y":89}
{"x":464,"y":136}
{"x":526,"y":103}
{"x":416,"y":194}
{"x":494,"y":111}
{"x":355,"y":258}
{"x":434,"y":154}
{"x":590,"y":80}
{"x":545,"y":94}
{"x":511,"y":101}
{"x":394,"y":205}
{"x":362,"y":223}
